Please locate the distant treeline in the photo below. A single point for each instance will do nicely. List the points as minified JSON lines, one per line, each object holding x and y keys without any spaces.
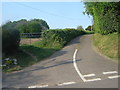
{"x":11,"y":32}
{"x":106,"y":16}
{"x":25,"y":26}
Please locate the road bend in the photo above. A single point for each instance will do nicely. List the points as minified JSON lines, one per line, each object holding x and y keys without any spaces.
{"x":77,"y":65}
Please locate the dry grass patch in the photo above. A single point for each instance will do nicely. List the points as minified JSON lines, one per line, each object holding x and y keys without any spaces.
{"x":107,"y":45}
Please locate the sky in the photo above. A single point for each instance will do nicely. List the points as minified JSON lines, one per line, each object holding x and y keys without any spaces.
{"x":56,"y":14}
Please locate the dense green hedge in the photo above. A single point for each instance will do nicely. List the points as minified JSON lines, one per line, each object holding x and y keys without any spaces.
{"x":59,"y":37}
{"x":10,"y":40}
{"x":106,"y":16}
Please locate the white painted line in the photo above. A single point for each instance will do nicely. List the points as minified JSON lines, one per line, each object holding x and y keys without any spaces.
{"x":66,"y":83}
{"x":110,"y":72}
{"x":96,"y":79}
{"x":89,"y":75}
{"x":79,"y":73}
{"x":111,"y":77}
{"x":32,"y":87}
{"x":36,"y":86}
{"x":76,"y":68}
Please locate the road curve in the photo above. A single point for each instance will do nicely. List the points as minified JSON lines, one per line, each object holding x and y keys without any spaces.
{"x":77,"y":65}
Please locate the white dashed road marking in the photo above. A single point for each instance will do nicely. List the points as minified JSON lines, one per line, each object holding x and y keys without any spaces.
{"x":110,"y":72}
{"x":85,"y":80}
{"x":80,"y":75}
{"x":111,"y":77}
{"x":66,"y":83}
{"x":90,"y":80}
{"x":89,"y":75}
{"x":37,"y":86}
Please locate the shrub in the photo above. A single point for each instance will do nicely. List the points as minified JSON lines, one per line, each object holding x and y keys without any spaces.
{"x":59,"y":37}
{"x":10,"y":40}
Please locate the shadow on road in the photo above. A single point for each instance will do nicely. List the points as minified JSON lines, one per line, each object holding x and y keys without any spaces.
{"x":55,"y":65}
{"x":28,"y":77}
{"x":45,"y":67}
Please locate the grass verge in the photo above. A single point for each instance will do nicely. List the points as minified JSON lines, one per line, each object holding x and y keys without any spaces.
{"x":107,"y":45}
{"x":28,"y":55}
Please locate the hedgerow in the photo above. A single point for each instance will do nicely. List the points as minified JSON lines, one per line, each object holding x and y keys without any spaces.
{"x":59,"y":37}
{"x":106,"y":16}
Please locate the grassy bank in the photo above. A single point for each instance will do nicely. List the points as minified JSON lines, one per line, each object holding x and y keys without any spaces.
{"x":52,"y":41}
{"x":107,"y":45}
{"x":28,"y":55}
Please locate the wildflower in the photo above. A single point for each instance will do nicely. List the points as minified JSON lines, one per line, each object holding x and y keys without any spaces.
{"x":15,"y":63}
{"x":7,"y":59}
{"x":15,"y":60}
{"x":2,"y":65}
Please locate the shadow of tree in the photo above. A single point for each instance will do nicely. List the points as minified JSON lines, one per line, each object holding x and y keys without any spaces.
{"x":16,"y":79}
{"x":55,"y":65}
{"x":34,"y":54}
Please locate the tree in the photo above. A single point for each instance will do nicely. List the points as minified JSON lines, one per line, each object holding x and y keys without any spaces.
{"x":89,"y":28}
{"x":105,"y":15}
{"x":35,"y":27}
{"x":43,"y":24}
{"x":80,"y":27}
{"x":24,"y":26}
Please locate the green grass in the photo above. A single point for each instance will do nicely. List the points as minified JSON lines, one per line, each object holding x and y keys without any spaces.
{"x":107,"y":45}
{"x":38,"y":51}
{"x":26,"y":53}
{"x":89,"y":32}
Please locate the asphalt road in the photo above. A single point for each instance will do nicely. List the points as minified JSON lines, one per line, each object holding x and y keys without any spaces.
{"x":77,"y":65}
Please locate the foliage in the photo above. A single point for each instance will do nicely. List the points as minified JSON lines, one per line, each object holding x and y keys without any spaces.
{"x":105,"y":14}
{"x":10,"y":40}
{"x":24,"y":26}
{"x":27,"y":55}
{"x":52,"y":41}
{"x":80,"y":27}
{"x":9,"y":63}
{"x":89,"y":32}
{"x":89,"y":28}
{"x":59,"y":37}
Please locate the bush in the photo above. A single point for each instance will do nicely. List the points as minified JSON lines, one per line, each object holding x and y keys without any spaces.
{"x":105,"y":15}
{"x":10,"y":40}
{"x":59,"y":37}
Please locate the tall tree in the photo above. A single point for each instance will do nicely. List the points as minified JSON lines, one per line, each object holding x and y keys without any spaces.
{"x":105,"y":15}
{"x":24,"y":26}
